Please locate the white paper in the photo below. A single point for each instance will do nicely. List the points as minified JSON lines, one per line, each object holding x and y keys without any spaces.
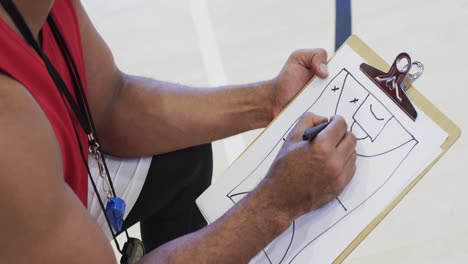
{"x":392,"y":150}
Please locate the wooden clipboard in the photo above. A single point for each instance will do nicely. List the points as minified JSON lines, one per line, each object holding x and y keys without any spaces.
{"x":417,"y":99}
{"x":424,"y":105}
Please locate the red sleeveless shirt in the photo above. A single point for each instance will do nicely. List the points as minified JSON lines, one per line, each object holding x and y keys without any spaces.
{"x":20,"y":61}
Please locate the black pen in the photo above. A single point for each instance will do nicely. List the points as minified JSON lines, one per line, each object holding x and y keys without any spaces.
{"x":312,"y":132}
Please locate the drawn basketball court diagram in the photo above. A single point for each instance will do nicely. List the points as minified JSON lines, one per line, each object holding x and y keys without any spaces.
{"x":383,"y":145}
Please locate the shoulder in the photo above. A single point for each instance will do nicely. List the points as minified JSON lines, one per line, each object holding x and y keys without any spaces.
{"x":30,"y":157}
{"x":41,"y":211}
{"x":24,"y":129}
{"x":15,"y":100}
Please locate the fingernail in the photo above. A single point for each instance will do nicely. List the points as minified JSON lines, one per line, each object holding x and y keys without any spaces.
{"x":324,"y":68}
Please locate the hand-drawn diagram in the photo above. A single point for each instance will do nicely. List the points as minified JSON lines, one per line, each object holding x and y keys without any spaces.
{"x":383,"y":145}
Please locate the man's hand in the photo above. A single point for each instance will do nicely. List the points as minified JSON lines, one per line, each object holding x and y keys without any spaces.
{"x":304,"y":176}
{"x":301,"y":66}
{"x":310,"y":174}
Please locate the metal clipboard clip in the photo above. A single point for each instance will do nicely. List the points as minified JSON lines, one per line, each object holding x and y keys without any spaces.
{"x":397,"y":81}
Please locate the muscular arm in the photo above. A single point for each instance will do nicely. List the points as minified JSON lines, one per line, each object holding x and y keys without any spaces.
{"x":42,"y":220}
{"x":151,"y":116}
{"x":235,"y":238}
{"x":140,"y":116}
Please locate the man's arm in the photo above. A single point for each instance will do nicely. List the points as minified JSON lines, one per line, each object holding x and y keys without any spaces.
{"x":42,"y":220}
{"x":138,"y":116}
{"x":151,"y":116}
{"x":304,"y":176}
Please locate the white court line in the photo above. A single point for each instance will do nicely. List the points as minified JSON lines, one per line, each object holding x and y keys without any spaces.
{"x":214,"y":67}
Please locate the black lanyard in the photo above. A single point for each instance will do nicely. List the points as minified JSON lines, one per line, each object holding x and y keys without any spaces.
{"x":80,"y":108}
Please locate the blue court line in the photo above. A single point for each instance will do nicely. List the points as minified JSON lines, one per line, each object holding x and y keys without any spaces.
{"x":343,"y":26}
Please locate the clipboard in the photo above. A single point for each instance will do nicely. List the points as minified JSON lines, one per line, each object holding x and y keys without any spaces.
{"x":416,"y":98}
{"x":228,"y":190}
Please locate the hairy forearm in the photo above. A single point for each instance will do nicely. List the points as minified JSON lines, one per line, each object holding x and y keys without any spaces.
{"x":235,"y":238}
{"x":149,"y":117}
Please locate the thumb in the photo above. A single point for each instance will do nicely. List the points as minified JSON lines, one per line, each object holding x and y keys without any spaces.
{"x":319,"y":63}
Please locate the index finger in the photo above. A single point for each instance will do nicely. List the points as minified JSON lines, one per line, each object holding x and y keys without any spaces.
{"x":334,"y":132}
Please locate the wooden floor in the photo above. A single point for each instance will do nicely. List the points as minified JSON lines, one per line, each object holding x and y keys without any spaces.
{"x":208,"y":43}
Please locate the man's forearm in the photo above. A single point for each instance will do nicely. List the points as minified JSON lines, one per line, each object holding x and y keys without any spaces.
{"x":148,"y":117}
{"x":235,"y":238}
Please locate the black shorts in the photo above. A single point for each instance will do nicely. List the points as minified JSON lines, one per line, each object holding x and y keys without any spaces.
{"x":166,"y":206}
